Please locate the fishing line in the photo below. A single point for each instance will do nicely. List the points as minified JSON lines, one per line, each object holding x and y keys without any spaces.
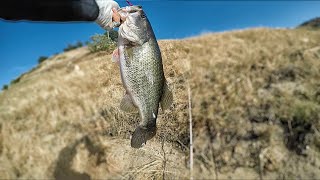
{"x":129,"y":3}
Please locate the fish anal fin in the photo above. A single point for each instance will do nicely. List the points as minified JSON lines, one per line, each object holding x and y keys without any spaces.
{"x":127,"y":104}
{"x":167,"y":97}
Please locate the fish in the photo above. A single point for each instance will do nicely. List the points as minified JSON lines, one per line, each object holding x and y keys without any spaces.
{"x":142,"y":74}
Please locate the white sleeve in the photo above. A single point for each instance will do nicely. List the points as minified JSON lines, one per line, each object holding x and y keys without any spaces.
{"x":104,"y":18}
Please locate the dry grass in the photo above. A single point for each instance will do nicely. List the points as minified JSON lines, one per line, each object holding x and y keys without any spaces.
{"x":255,"y":111}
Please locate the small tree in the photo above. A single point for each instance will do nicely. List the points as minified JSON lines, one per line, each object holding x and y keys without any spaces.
{"x":42,"y":58}
{"x":101,"y":42}
{"x":5,"y":87}
{"x":15,"y":80}
{"x":68,"y":48}
{"x":113,"y":35}
{"x":79,"y":44}
{"x":73,"y":46}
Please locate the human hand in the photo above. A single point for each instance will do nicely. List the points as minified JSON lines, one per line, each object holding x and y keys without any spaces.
{"x":107,"y":17}
{"x":116,"y":16}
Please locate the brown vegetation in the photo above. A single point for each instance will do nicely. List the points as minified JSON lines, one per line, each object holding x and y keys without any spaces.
{"x":255,"y":109}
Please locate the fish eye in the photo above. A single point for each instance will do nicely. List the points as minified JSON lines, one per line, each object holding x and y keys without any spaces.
{"x":143,"y":16}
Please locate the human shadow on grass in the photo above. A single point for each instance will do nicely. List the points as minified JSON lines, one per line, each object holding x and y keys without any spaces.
{"x":63,"y":169}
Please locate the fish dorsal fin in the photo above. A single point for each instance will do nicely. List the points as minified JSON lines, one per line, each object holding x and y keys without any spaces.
{"x":167,"y":97}
{"x":127,"y":104}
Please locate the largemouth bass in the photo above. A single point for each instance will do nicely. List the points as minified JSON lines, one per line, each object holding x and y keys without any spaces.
{"x":141,"y":73}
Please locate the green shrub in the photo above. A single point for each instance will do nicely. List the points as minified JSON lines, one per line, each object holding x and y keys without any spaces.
{"x":112,"y":34}
{"x":73,"y":46}
{"x":5,"y":87}
{"x":79,"y":44}
{"x":101,"y":42}
{"x":15,"y":80}
{"x":42,"y":58}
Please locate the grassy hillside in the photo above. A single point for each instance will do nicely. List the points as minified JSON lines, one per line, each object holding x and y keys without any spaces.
{"x":255,"y":107}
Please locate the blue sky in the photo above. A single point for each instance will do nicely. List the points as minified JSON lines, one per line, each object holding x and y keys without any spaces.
{"x":21,"y":43}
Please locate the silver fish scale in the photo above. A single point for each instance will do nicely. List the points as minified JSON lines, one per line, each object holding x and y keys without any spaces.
{"x":144,"y":79}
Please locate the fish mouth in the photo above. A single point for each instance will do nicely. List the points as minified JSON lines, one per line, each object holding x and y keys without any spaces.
{"x":129,"y":10}
{"x":135,"y":25}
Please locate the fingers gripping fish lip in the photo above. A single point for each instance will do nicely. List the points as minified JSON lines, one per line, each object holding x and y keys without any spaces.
{"x":141,"y":135}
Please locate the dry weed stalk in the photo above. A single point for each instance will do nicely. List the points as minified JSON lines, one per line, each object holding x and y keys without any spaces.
{"x":164,"y":159}
{"x":190,"y":132}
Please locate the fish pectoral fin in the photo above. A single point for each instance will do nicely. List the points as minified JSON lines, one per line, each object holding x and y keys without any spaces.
{"x":115,"y":56}
{"x":127,"y":104}
{"x":167,"y":97}
{"x":128,"y":56}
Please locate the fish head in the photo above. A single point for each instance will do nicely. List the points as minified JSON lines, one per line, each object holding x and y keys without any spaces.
{"x":136,"y":29}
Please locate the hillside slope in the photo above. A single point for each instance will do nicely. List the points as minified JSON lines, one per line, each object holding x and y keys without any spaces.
{"x":312,"y":24}
{"x":255,"y":108}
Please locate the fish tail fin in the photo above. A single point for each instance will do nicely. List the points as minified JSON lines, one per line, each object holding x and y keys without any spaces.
{"x":141,"y":135}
